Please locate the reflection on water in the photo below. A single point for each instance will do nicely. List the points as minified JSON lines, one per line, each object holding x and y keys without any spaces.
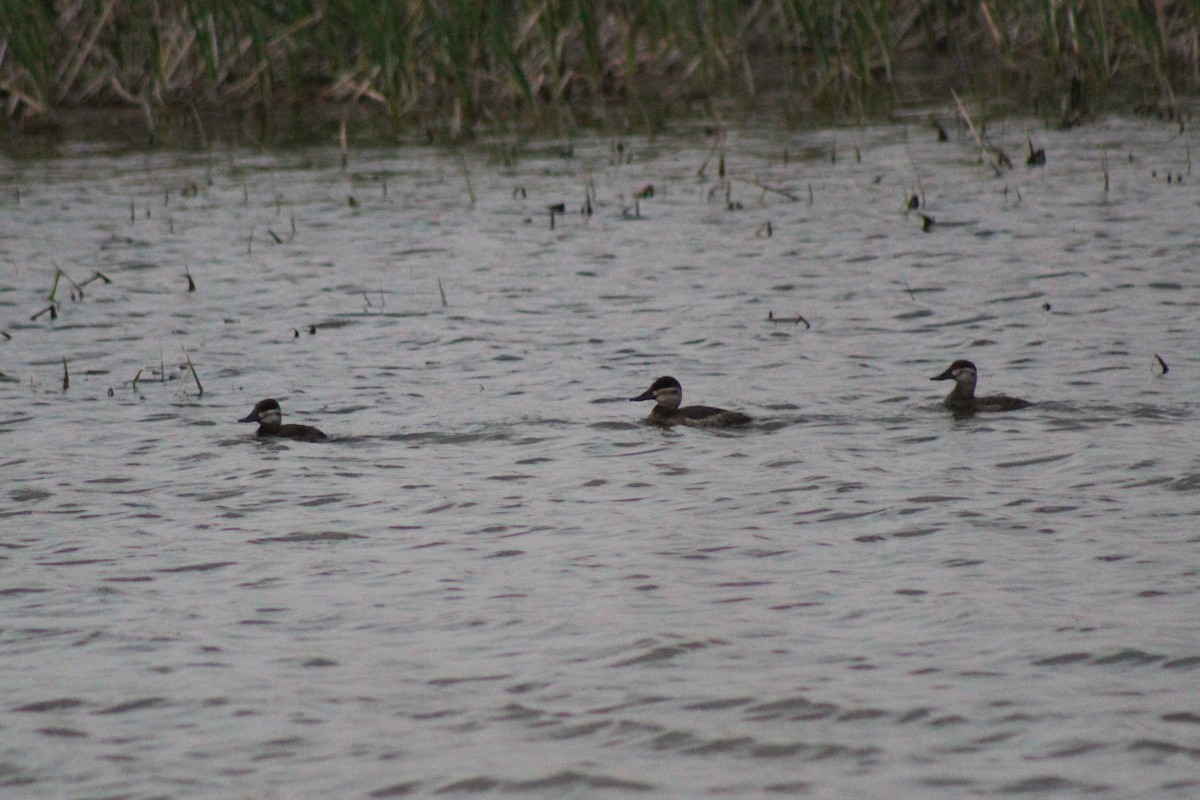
{"x":494,"y":580}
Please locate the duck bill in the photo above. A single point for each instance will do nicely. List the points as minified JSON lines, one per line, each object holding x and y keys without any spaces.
{"x":646,"y":395}
{"x":945,"y":376}
{"x":252,"y":418}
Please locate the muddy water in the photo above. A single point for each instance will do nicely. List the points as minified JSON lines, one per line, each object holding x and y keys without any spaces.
{"x":494,"y":581}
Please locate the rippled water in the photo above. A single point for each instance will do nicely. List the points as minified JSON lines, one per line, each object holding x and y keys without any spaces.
{"x":494,"y":581}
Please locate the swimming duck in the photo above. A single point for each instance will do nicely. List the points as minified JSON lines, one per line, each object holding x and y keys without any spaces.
{"x":269,"y":417}
{"x":667,"y":394}
{"x":962,"y":399}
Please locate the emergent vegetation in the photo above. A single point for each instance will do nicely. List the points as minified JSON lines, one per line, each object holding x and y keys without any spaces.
{"x":456,"y":66}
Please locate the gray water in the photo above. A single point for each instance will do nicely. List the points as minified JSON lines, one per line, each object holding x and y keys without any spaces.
{"x":493,"y":581}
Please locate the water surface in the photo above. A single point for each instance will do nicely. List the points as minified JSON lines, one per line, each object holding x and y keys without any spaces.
{"x":494,"y":581}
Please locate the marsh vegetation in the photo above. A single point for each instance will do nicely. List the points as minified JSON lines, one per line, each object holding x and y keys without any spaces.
{"x":451,"y":68}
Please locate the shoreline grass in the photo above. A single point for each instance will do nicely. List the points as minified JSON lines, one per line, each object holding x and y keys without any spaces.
{"x":189,"y":69}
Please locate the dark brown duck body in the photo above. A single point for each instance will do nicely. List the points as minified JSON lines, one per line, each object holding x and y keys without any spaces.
{"x":667,"y":394}
{"x":269,"y":417}
{"x":962,"y":400}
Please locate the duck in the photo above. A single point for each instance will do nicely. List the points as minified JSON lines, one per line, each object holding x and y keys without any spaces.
{"x":667,"y":394}
{"x":962,"y":399}
{"x":269,"y":417}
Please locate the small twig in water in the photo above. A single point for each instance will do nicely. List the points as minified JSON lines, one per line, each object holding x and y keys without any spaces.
{"x":796,"y":320}
{"x":780,"y":192}
{"x":442,"y":292}
{"x":1161,"y":363}
{"x":66,"y":375}
{"x":555,"y":209}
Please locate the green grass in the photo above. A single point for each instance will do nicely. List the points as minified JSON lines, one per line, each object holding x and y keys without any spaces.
{"x":456,"y":67}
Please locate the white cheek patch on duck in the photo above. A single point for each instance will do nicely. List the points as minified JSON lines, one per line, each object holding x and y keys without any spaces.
{"x":668,"y":397}
{"x":270,"y":417}
{"x":965,"y":375}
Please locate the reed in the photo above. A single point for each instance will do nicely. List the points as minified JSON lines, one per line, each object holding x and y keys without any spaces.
{"x":189,"y":374}
{"x":455,"y":66}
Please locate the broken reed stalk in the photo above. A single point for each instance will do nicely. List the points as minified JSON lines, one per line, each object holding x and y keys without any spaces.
{"x":555,"y":209}
{"x":77,"y":294}
{"x":191,"y":368}
{"x":772,"y":189}
{"x":98,"y":276}
{"x":187,"y":273}
{"x":66,"y":375}
{"x":983,"y":150}
{"x":796,"y":320}
{"x":342,"y":143}
{"x":466,"y":173}
{"x":442,"y":292}
{"x":58,"y":273}
{"x":718,"y":143}
{"x":913,"y":163}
